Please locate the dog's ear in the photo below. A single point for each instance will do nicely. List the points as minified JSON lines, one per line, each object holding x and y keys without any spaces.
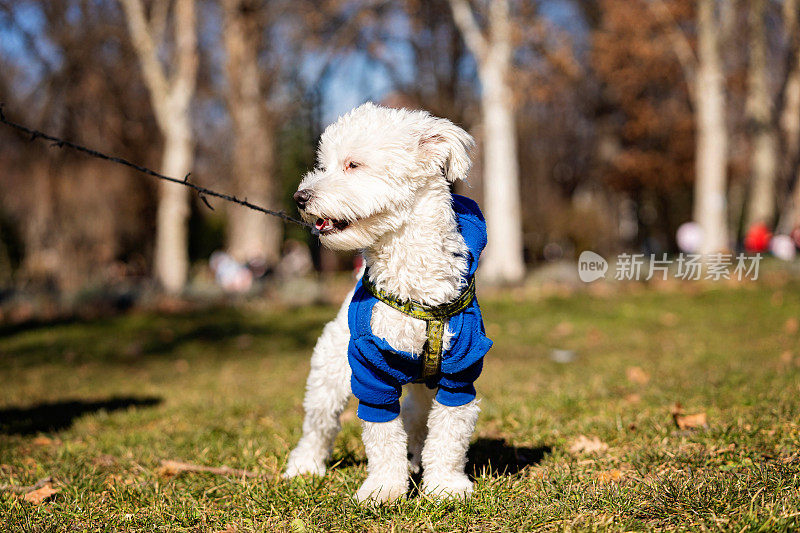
{"x":448,"y":147}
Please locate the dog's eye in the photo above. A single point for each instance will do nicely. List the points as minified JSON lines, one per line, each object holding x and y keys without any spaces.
{"x":353,"y":164}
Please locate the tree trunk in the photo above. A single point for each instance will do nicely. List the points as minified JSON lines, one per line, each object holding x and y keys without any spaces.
{"x":5,"y":265}
{"x":503,"y":261}
{"x":790,"y":123}
{"x":251,"y":235}
{"x":764,"y":141}
{"x":171,"y":98}
{"x":171,"y":258}
{"x":712,"y":137}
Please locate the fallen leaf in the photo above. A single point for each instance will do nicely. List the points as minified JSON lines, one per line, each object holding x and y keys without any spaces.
{"x":584,"y":444}
{"x":563,"y":329}
{"x":693,"y":421}
{"x":668,"y":319}
{"x":40,"y":495}
{"x":104,"y":460}
{"x":787,"y":357}
{"x":727,"y":449}
{"x":42,"y":441}
{"x":493,"y":330}
{"x":633,"y":398}
{"x":608,"y":476}
{"x":168,"y":469}
{"x":791,"y":326}
{"x":594,"y":336}
{"x":536,"y":473}
{"x":637,"y":375}
{"x":115,"y":480}
{"x":776,"y":299}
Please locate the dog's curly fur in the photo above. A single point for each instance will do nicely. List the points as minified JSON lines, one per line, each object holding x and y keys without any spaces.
{"x":383,"y":181}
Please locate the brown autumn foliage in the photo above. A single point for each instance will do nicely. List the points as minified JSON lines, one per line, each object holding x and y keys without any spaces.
{"x":647,"y":127}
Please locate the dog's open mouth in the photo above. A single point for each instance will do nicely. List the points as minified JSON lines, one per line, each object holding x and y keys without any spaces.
{"x":326,"y":226}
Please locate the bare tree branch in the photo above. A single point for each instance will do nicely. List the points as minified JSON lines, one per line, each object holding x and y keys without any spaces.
{"x":680,"y":42}
{"x":146,"y":50}
{"x":173,"y":468}
{"x":158,"y":19}
{"x":500,"y":24}
{"x":790,"y":17}
{"x":22,"y":489}
{"x":465,"y":19}
{"x":184,"y":79}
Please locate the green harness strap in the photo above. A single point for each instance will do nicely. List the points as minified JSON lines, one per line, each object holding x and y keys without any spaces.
{"x":434,"y":316}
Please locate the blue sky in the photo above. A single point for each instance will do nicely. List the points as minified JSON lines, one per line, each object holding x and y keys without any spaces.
{"x":352,"y":79}
{"x":13,"y":43}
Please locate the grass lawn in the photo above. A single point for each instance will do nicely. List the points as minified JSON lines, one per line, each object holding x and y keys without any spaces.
{"x":98,"y":405}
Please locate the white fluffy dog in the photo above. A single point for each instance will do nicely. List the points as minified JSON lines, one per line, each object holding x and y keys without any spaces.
{"x":382,"y":186}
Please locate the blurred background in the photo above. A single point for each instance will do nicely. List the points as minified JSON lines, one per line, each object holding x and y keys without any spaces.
{"x":601,"y":124}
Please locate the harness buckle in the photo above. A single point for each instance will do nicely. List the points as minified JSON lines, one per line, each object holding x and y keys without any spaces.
{"x":434,"y":316}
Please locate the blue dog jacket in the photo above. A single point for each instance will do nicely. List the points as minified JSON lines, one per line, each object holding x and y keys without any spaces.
{"x":379,"y":371}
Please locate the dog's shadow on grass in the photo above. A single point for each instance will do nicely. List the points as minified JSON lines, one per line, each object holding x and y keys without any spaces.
{"x":492,"y":457}
{"x":495,"y":457}
{"x":55,"y":416}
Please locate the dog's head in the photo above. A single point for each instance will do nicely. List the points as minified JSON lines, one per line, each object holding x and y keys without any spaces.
{"x":371,"y":165}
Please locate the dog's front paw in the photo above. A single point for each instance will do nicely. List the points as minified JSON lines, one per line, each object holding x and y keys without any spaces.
{"x":377,"y":490}
{"x":301,"y":462}
{"x":455,"y":486}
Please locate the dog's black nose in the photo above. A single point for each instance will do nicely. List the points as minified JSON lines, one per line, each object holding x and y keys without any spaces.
{"x":302,"y":197}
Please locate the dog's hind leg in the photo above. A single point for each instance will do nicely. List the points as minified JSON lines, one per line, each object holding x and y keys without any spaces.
{"x":327,"y":392}
{"x":444,"y":456}
{"x":415,"y":421}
